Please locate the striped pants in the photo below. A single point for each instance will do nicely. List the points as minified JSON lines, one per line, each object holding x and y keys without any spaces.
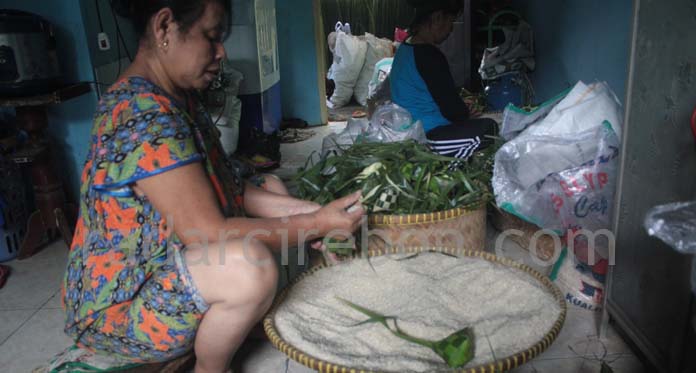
{"x":461,"y":140}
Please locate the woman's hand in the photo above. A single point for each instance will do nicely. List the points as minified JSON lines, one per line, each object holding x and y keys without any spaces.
{"x":474,"y":109}
{"x":341,"y":217}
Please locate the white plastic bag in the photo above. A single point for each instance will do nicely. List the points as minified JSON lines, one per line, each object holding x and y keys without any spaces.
{"x":228,"y":122}
{"x":560,"y":172}
{"x":379,"y":76}
{"x":349,"y":58}
{"x":377,"y":49}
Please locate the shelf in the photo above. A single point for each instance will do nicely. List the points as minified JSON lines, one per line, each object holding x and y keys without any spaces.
{"x":55,"y":97}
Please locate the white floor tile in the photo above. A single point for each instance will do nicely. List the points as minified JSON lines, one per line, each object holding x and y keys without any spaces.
{"x":295,"y":367}
{"x":10,"y":321}
{"x":54,"y":303}
{"x":33,"y":281}
{"x":35,"y":343}
{"x":260,"y":357}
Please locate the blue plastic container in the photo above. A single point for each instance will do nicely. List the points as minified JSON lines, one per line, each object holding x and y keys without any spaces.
{"x":504,"y":90}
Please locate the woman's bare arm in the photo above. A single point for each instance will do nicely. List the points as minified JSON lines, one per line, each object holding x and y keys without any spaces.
{"x":185,"y":198}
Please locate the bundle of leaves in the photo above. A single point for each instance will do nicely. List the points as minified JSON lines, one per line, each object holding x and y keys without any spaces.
{"x":399,"y":178}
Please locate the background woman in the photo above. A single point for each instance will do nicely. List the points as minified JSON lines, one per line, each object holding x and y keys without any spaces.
{"x":422,"y":83}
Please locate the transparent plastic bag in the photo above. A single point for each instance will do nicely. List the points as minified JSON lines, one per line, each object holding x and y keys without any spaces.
{"x":675,"y":224}
{"x":335,"y":142}
{"x":389,"y":123}
{"x":392,"y":123}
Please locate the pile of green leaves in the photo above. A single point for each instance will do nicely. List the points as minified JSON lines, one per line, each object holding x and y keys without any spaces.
{"x":417,"y":180}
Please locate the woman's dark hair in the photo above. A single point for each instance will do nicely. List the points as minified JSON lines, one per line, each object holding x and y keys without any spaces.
{"x":425,"y":8}
{"x":185,"y":12}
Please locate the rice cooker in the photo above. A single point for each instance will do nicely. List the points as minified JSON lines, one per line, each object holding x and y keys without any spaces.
{"x":28,"y":59}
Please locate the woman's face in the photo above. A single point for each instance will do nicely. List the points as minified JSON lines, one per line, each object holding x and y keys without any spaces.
{"x":441,"y":26}
{"x":193,"y":58}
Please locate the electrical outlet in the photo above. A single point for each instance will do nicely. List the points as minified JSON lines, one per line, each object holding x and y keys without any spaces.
{"x":103,"y":41}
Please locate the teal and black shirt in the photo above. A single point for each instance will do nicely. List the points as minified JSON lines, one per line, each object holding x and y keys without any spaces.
{"x":421,"y":82}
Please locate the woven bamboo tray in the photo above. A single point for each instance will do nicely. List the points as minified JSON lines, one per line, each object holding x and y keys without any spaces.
{"x":500,"y":365}
{"x":457,"y":227}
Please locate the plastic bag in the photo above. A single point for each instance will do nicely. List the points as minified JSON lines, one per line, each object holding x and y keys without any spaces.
{"x":675,"y":224}
{"x":349,"y":58}
{"x":516,"y":120}
{"x":392,"y":123}
{"x":335,"y":142}
{"x":515,"y":54}
{"x":228,"y":122}
{"x":579,"y":109}
{"x":379,"y":76}
{"x":560,"y":172}
{"x":377,"y":50}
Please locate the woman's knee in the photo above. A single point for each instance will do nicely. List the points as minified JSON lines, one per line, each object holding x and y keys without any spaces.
{"x":272,"y":183}
{"x":241,"y":272}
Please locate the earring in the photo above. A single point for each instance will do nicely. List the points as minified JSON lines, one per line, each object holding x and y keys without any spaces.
{"x":165,"y":44}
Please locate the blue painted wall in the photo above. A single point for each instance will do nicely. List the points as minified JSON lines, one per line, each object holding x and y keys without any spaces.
{"x":298,"y":61}
{"x":69,"y":122}
{"x":579,"y":40}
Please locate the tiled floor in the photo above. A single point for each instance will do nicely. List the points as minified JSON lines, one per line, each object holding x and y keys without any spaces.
{"x":31,"y":319}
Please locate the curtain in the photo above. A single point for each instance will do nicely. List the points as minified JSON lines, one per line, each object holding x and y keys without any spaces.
{"x":378,"y":17}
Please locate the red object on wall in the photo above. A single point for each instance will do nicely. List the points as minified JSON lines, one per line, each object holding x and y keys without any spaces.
{"x":400,"y":35}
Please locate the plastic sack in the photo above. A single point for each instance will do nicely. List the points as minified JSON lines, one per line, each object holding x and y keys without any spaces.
{"x":516,"y":120}
{"x":560,"y":173}
{"x":349,"y":58}
{"x":579,"y":109}
{"x":580,"y":287}
{"x":377,"y":50}
{"x":345,"y":27}
{"x":675,"y":224}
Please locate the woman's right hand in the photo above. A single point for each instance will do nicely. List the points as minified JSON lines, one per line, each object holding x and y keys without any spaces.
{"x":342,"y":215}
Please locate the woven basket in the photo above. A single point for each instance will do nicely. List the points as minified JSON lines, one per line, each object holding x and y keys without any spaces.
{"x":459,"y":227}
{"x":501,"y":365}
{"x":503,"y":221}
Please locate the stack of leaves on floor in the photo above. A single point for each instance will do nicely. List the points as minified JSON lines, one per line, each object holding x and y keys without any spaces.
{"x":399,"y":178}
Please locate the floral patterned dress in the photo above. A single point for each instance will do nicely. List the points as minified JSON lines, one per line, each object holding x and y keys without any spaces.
{"x":127,"y":291}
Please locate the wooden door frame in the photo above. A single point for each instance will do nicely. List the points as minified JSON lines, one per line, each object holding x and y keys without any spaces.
{"x":321,"y":46}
